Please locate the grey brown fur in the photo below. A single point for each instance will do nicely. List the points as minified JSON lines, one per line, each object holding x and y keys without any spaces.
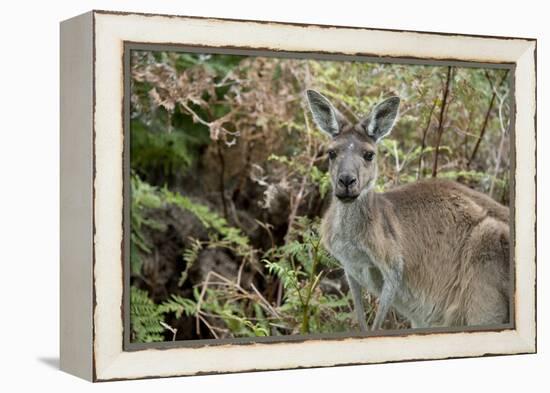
{"x":436,"y":251}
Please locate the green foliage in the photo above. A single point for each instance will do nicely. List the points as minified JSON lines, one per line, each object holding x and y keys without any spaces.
{"x":144,"y":198}
{"x":300,"y":265}
{"x":190,"y":257}
{"x":322,"y":179}
{"x":179,"y":306}
{"x":167,"y":153}
{"x":145,"y":317}
{"x":212,"y":303}
{"x":221,"y":234}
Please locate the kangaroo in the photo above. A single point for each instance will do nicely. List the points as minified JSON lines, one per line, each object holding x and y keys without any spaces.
{"x":434,"y":250}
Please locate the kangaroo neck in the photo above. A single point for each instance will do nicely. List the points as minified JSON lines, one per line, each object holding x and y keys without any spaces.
{"x":360,"y":210}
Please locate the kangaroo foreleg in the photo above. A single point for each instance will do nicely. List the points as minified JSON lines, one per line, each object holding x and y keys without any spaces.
{"x":393,"y":278}
{"x":355,"y":289}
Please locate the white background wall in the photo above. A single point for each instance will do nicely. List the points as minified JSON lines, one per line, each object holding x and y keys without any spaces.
{"x":29,"y":231}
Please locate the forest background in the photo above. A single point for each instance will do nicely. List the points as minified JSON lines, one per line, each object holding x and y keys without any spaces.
{"x":228,"y":182}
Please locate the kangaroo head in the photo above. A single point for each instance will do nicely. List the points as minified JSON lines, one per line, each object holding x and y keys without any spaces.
{"x":352,"y":150}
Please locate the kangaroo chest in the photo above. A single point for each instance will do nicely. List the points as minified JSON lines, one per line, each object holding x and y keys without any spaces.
{"x":357,"y":261}
{"x":350,"y":246}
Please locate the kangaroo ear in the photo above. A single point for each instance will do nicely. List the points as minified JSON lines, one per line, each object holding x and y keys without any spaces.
{"x":380,"y":121}
{"x":324,"y":114}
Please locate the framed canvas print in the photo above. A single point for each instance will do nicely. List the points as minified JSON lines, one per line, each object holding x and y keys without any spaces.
{"x":245,"y":195}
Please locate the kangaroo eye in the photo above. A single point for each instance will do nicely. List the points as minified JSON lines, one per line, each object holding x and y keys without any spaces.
{"x":368,"y":155}
{"x":331,"y":154}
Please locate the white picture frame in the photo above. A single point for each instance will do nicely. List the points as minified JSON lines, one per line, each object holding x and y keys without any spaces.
{"x":92,"y":195}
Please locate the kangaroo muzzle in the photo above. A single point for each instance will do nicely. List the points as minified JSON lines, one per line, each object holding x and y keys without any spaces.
{"x":347,"y":189}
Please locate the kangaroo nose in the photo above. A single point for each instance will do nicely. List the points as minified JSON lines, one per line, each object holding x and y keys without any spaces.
{"x":346,"y":180}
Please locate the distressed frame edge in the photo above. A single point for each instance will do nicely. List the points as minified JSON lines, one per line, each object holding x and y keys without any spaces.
{"x":529,"y":340}
{"x":303,"y":24}
{"x":308,"y":367}
{"x":76,"y":196}
{"x":527,"y":321}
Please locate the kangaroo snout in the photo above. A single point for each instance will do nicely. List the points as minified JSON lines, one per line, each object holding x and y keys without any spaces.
{"x":347,"y":187}
{"x":347,"y":180}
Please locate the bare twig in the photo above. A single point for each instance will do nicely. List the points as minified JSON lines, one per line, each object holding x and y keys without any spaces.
{"x":503,"y":134}
{"x":396,"y":155}
{"x":297,"y":199}
{"x":240,"y":273}
{"x":242,"y":294}
{"x":221,"y":159}
{"x":424,"y":135}
{"x":267,"y":228}
{"x":265,"y":302}
{"x":210,"y":327}
{"x":441,"y":118}
{"x":487,"y":115}
{"x":407,"y":159}
{"x":279,"y":293}
{"x":199,"y":302}
{"x":171,"y":329}
{"x":214,"y":126}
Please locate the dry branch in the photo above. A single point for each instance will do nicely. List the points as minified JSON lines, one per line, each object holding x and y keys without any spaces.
{"x":424,"y":135}
{"x":441,"y":118}
{"x":487,"y":115}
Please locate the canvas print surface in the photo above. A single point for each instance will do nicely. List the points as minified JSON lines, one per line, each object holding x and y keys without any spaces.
{"x":284,"y":196}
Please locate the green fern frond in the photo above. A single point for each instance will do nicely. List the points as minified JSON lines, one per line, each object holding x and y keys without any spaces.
{"x":145,"y":317}
{"x":190,"y":256}
{"x":179,"y":306}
